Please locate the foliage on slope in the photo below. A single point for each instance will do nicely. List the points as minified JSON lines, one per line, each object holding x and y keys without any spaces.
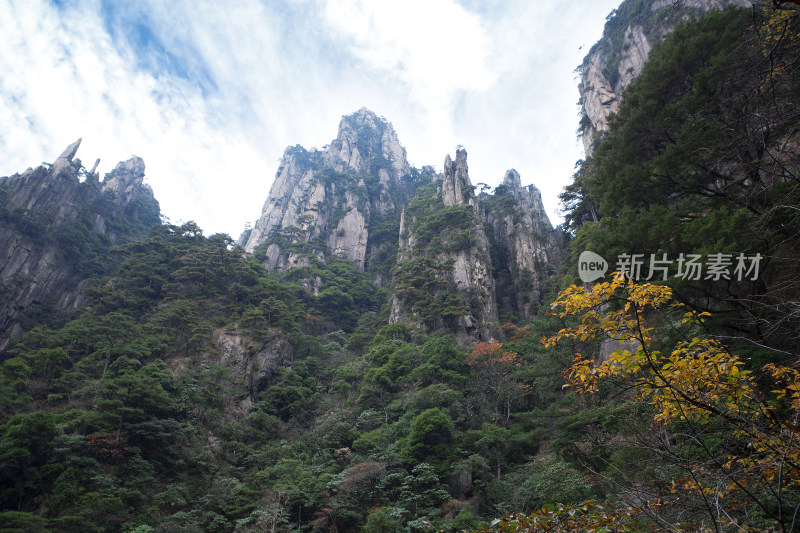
{"x":702,"y":159}
{"x":116,"y":418}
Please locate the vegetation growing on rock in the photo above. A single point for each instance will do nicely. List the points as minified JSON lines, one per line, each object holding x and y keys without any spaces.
{"x":202,"y":388}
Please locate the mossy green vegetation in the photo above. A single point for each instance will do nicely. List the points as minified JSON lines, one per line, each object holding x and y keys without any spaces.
{"x":195,"y":391}
{"x":124,"y":415}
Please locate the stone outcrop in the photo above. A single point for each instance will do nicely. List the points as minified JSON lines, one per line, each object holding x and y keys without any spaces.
{"x":363,"y":137}
{"x":465,"y":271}
{"x":351,"y":200}
{"x":322,"y":198}
{"x":253,"y":362}
{"x":34,"y":207}
{"x":619,"y":57}
{"x":125,"y":181}
{"x":526,"y":246}
{"x":456,"y":186}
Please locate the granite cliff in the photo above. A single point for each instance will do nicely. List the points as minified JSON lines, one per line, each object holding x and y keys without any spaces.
{"x":619,"y":56}
{"x":56,"y":218}
{"x":325,"y":201}
{"x":453,"y":261}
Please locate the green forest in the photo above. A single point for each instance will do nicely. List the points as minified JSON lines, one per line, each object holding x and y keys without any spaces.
{"x":652,"y":402}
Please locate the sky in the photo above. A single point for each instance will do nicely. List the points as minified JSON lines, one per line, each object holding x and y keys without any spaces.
{"x":209,"y":94}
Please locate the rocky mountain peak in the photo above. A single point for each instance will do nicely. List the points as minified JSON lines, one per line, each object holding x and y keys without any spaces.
{"x":512,"y":179}
{"x":327,"y":198}
{"x":132,"y":168}
{"x":363,"y":138}
{"x":529,"y":196}
{"x":127,"y":180}
{"x":362,"y":117}
{"x":456,"y":185}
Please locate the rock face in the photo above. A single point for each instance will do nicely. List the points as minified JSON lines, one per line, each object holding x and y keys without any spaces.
{"x":448,"y":263}
{"x":619,"y":57}
{"x":47,"y":214}
{"x":526,"y":246}
{"x":252,"y":362}
{"x":325,"y":200}
{"x":422,"y":235}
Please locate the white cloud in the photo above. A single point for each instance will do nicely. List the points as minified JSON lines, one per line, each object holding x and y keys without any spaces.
{"x":434,"y":46}
{"x":64,"y":78}
{"x":209,"y":96}
{"x":432,"y":50}
{"x":527,"y":119}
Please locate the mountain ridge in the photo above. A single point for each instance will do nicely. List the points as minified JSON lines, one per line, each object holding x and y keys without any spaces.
{"x":329,"y":203}
{"x":57,"y":218}
{"x":619,"y":56}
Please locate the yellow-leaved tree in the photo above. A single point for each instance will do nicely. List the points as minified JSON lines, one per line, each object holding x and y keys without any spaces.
{"x":694,"y":384}
{"x":733,"y":432}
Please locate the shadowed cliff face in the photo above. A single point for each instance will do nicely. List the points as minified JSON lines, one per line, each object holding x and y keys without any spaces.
{"x":51,"y":216}
{"x":472,"y":259}
{"x":620,"y":55}
{"x":526,"y":248}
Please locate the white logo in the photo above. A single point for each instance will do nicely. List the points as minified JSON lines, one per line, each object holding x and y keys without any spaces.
{"x":591,"y":266}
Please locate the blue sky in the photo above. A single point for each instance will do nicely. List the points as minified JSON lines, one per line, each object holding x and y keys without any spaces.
{"x":210,"y":93}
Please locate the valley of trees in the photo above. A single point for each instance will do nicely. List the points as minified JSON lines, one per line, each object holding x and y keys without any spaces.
{"x":626,"y":405}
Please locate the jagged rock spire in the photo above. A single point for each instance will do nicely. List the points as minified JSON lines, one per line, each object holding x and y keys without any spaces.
{"x":65,"y":159}
{"x":456,"y":179}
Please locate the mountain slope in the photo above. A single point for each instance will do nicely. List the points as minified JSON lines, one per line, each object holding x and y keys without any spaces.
{"x":618,"y":58}
{"x":58,"y":222}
